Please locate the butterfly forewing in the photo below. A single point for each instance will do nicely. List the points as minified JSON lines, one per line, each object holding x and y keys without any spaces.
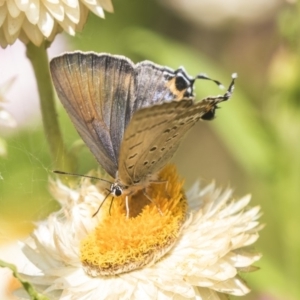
{"x":153,"y":136}
{"x":97,"y":91}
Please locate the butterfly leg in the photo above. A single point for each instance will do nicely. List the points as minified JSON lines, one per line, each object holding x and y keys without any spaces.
{"x":228,"y":93}
{"x":111,"y":203}
{"x":149,"y":198}
{"x":127,"y":206}
{"x":210,"y":104}
{"x":164,"y":182}
{"x":166,"y":187}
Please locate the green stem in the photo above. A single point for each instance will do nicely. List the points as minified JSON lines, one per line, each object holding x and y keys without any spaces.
{"x":61,"y":159}
{"x":28,"y":287}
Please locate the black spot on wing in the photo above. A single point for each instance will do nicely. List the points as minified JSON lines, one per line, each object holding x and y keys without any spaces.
{"x":181,"y":83}
{"x":132,"y":156}
{"x":136,"y":145}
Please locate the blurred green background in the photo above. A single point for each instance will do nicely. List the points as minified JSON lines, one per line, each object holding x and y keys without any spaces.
{"x":253,"y":145}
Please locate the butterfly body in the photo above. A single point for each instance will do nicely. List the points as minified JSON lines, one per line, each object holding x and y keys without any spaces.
{"x":131,"y":116}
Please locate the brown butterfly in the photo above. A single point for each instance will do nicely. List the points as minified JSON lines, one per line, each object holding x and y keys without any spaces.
{"x":131,"y":116}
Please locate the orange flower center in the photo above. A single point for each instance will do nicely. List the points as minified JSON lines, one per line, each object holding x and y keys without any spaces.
{"x":119,"y":244}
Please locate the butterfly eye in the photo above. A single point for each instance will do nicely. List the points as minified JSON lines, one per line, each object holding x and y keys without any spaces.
{"x":117,"y":191}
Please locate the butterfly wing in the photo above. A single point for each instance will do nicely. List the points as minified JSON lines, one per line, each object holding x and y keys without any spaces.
{"x":97,"y":92}
{"x":157,"y":84}
{"x":153,"y":136}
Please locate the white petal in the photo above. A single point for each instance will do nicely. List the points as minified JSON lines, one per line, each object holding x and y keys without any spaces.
{"x":107,"y":5}
{"x":234,"y":286}
{"x":183,"y":288}
{"x":56,"y":29}
{"x":10,"y":38}
{"x":213,"y":207}
{"x":73,"y":13}
{"x":244,"y":240}
{"x":84,"y":12}
{"x":52,"y":1}
{"x":57,"y":10}
{"x":14,"y":24}
{"x":142,"y":291}
{"x":219,"y":272}
{"x":237,"y":206}
{"x":3,"y":14}
{"x":45,"y":22}
{"x":22,"y":4}
{"x":33,"y":33}
{"x":71,"y":3}
{"x":204,"y":294}
{"x":5,"y":87}
{"x":90,"y":2}
{"x":6,"y":119}
{"x":68,"y":26}
{"x":253,"y":213}
{"x":242,"y":258}
{"x":199,"y":281}
{"x":97,"y":10}
{"x":33,"y":11}
{"x":12,"y":8}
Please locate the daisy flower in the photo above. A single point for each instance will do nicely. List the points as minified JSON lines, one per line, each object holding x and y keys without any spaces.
{"x":177,"y":246}
{"x":36,"y":20}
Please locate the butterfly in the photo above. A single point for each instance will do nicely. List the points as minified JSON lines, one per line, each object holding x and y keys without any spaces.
{"x":131,"y":116}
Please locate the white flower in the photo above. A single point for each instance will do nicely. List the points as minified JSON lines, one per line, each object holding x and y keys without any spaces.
{"x":6,"y":118}
{"x":204,"y":261}
{"x":36,"y":20}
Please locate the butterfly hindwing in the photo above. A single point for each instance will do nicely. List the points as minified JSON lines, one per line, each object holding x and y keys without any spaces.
{"x":154,"y":134}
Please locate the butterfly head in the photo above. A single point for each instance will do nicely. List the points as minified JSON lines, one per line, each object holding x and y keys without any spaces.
{"x":116,"y":189}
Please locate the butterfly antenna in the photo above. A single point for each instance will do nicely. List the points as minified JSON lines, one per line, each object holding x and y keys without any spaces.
{"x":80,"y":175}
{"x":204,"y":76}
{"x":101,"y":205}
{"x":111,"y":205}
{"x":229,"y":92}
